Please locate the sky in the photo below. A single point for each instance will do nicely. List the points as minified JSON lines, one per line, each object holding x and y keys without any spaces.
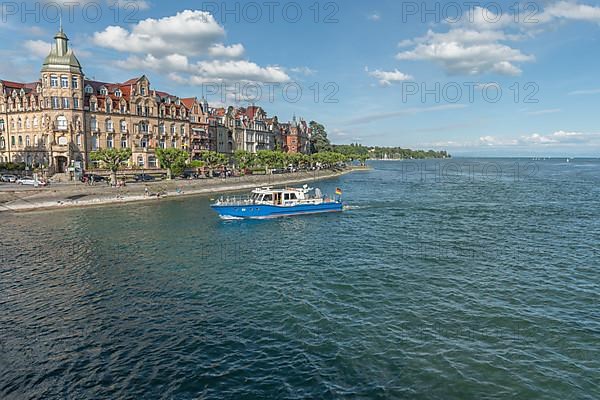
{"x":475,"y":79}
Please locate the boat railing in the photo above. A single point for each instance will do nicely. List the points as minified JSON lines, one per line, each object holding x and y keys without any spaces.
{"x":236,"y":201}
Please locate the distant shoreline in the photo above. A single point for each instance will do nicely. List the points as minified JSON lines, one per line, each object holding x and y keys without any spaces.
{"x":77,"y":195}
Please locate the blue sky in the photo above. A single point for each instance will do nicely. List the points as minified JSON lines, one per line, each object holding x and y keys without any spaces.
{"x":528,"y":80}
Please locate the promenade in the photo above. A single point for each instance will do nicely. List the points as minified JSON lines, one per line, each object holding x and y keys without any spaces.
{"x":68,"y":195}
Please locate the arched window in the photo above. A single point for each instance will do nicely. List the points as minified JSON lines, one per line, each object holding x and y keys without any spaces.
{"x":61,"y":123}
{"x":35,"y":122}
{"x":1,"y":125}
{"x":27,"y":141}
{"x":110,"y":142}
{"x":20,"y":140}
{"x":27,"y":123}
{"x":2,"y":144}
{"x":123,"y":126}
{"x":109,"y":126}
{"x":108,"y":106}
{"x":75,"y":102}
{"x":19,"y":123}
{"x":35,"y":140}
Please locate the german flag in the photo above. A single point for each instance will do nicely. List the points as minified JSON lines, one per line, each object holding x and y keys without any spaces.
{"x":338,"y":191}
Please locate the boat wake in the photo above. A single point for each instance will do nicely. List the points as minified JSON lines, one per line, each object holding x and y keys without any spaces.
{"x":230,"y":218}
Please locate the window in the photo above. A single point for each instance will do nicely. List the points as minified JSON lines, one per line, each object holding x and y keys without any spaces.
{"x":123,"y":108}
{"x":182,"y":130}
{"x":75,"y":102}
{"x":53,"y":81}
{"x":35,"y":122}
{"x":93,"y":124}
{"x":173,"y":129}
{"x":108,"y":106}
{"x":55,"y":102}
{"x":2,"y":144}
{"x":27,"y":141}
{"x":89,"y":89}
{"x":152,"y":161}
{"x":140,"y":161}
{"x":123,"y":142}
{"x":64,"y":81}
{"x":144,"y":143}
{"x":161,"y":129}
{"x":109,"y":126}
{"x":93,"y":106}
{"x":139,"y":109}
{"x":12,"y":141}
{"x":61,"y":123}
{"x":20,"y":140}
{"x":65,"y":102}
{"x":123,"y":126}
{"x":103,"y":91}
{"x":143,"y":127}
{"x":78,"y":140}
{"x":118,"y":93}
{"x":143,"y":91}
{"x":109,"y":141}
{"x":19,"y":123}
{"x":95,"y":142}
{"x":74,"y":82}
{"x":27,"y":123}
{"x":162,"y":144}
{"x":173,"y":143}
{"x":1,"y":124}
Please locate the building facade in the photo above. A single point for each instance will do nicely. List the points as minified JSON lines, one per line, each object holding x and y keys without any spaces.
{"x":60,"y":119}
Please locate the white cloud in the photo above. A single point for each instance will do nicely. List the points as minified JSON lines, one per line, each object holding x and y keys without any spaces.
{"x":467,"y":52}
{"x":544,"y":112}
{"x":479,"y":42}
{"x":188,"y":32}
{"x":585,"y":91}
{"x":220,"y":50}
{"x":570,"y":10}
{"x":188,"y":48}
{"x":303,"y":70}
{"x":38,"y":48}
{"x":561,"y":138}
{"x":365,"y":119}
{"x":386,"y":78}
{"x":374,"y":17}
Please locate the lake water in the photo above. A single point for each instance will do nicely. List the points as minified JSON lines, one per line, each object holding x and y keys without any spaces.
{"x":446,"y":279}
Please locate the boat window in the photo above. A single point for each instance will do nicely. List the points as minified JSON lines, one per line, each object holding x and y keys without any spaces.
{"x":286,"y":196}
{"x":260,"y":197}
{"x":268,"y":197}
{"x":292,"y":196}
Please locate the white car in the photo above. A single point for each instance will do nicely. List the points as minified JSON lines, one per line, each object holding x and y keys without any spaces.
{"x":30,"y":181}
{"x":9,"y":178}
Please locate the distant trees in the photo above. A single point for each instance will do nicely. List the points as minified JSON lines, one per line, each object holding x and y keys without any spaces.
{"x":112,"y":159}
{"x":213,"y":160}
{"x":173,"y":160}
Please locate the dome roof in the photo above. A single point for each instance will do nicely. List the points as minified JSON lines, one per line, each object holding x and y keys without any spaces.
{"x":61,"y":58}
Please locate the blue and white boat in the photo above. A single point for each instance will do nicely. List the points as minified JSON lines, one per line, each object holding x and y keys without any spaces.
{"x":267,"y":202}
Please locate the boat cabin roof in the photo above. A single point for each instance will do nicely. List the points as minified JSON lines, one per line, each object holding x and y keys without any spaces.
{"x":268,"y":190}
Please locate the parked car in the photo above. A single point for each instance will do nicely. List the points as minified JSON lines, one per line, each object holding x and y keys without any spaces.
{"x":30,"y":181}
{"x":144,"y":178}
{"x":279,"y":171}
{"x":88,"y":177}
{"x":189,"y":175}
{"x":9,"y":178}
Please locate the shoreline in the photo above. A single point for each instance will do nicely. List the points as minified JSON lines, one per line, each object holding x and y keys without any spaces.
{"x":75,"y":195}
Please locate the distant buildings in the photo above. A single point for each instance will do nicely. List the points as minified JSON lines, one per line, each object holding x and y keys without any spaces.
{"x":63,"y":117}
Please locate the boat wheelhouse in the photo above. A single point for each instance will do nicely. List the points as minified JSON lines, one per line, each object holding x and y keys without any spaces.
{"x":267,"y":202}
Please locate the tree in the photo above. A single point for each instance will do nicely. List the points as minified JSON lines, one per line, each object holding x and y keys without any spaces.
{"x":173,"y":160}
{"x":213,"y":160}
{"x":112,"y":159}
{"x":244,"y":159}
{"x":319,"y":140}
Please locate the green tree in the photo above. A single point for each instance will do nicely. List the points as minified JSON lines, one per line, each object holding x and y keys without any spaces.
{"x":173,"y":160}
{"x":244,"y":159}
{"x":213,"y":160}
{"x":319,"y":140}
{"x":112,"y":159}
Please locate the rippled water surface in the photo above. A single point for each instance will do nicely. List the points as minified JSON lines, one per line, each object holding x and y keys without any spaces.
{"x":463,"y":279}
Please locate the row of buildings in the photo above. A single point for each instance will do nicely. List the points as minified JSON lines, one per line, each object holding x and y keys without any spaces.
{"x":60,"y":119}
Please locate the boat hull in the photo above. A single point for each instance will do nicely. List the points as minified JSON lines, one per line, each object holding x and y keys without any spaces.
{"x":261,"y":211}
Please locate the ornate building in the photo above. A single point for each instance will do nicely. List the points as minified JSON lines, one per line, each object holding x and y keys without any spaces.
{"x":61,"y":118}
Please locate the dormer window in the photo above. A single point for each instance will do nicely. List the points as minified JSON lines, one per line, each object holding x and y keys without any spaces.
{"x":118,"y":93}
{"x":103,"y":91}
{"x":89,"y":89}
